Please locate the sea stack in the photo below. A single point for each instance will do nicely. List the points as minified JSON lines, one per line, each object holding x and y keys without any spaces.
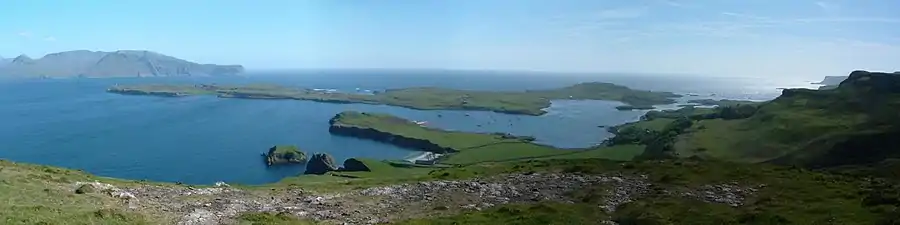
{"x":284,"y":154}
{"x":321,"y":163}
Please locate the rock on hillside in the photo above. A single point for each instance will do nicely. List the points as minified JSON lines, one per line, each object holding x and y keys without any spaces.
{"x":321,"y":163}
{"x":125,"y":63}
{"x":353,"y":164}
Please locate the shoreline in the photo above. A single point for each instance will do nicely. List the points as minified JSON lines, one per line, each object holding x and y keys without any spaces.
{"x":422,"y":156}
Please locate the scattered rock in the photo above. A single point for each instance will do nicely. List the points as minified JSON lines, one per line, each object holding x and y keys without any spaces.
{"x":320,"y":163}
{"x":729,"y":194}
{"x":84,"y":189}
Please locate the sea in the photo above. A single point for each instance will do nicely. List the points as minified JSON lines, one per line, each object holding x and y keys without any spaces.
{"x":75,"y":123}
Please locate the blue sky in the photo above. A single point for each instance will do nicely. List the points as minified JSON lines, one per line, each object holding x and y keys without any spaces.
{"x":756,"y":38}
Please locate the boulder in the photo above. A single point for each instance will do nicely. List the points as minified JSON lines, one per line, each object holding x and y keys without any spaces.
{"x":353,"y":164}
{"x":320,"y":163}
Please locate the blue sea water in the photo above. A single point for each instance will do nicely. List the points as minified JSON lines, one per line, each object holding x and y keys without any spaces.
{"x":74,"y":123}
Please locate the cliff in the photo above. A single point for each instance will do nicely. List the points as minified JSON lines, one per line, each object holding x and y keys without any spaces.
{"x":338,"y":127}
{"x":124,"y":63}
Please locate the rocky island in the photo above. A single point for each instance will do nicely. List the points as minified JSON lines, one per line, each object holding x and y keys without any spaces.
{"x":284,"y":154}
{"x":530,"y":102}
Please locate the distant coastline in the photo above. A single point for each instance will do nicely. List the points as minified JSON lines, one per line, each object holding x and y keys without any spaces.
{"x":529,"y":102}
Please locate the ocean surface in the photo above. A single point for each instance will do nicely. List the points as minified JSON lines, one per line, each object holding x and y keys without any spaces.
{"x":74,"y":123}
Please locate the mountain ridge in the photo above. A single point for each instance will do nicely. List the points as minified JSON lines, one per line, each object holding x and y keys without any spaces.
{"x":121,"y":63}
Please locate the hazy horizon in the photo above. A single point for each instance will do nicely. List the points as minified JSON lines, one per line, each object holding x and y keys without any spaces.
{"x":805,"y":39}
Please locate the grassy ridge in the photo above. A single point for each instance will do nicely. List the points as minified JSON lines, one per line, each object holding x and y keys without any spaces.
{"x":471,"y":147}
{"x":426,"y":98}
{"x":33,"y":194}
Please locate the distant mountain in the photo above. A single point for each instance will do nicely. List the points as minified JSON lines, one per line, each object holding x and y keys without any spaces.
{"x":4,"y":61}
{"x":125,"y":63}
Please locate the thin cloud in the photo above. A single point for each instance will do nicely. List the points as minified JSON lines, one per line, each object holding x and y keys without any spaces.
{"x":828,"y":7}
{"x":848,"y":20}
{"x":25,"y":34}
{"x":50,"y":38}
{"x":622,"y":13}
{"x":678,"y":4}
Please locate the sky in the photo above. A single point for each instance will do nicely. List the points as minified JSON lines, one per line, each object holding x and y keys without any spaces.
{"x":748,"y":38}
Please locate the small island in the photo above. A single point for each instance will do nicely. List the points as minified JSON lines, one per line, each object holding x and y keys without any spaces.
{"x":530,"y":102}
{"x":284,"y":154}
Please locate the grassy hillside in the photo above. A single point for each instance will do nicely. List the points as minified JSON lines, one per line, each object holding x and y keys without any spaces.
{"x":817,"y":128}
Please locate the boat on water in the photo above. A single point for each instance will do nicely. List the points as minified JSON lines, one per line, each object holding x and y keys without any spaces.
{"x":421,"y":123}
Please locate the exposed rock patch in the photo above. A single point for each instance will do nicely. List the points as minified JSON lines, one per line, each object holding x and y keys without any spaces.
{"x":222,"y":204}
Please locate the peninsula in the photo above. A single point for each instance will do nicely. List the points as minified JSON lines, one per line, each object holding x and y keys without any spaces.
{"x":455,"y":146}
{"x":530,"y":102}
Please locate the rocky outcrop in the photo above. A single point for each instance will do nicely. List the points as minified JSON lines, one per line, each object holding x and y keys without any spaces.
{"x":124,"y":63}
{"x":353,"y":164}
{"x":321,"y":163}
{"x":873,"y":81}
{"x":284,"y":155}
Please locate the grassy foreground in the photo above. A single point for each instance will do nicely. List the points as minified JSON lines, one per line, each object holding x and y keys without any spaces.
{"x":531,"y":102}
{"x":43,"y":195}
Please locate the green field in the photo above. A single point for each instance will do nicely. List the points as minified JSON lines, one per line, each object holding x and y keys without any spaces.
{"x":531,"y":102}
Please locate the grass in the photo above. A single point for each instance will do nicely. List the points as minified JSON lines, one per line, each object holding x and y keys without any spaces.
{"x":790,"y":196}
{"x":425,"y":98}
{"x":271,"y":219}
{"x":34,"y":194}
{"x":45,"y":195}
{"x":537,"y":214}
{"x":653,"y":124}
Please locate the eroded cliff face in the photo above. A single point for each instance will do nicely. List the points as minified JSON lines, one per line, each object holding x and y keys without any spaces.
{"x":338,"y":128}
{"x":376,"y":135}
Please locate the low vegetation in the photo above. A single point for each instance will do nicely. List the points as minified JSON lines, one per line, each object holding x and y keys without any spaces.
{"x":425,"y":98}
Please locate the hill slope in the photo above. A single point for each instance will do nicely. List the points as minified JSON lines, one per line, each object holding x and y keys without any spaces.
{"x":849,"y":125}
{"x":125,"y":63}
